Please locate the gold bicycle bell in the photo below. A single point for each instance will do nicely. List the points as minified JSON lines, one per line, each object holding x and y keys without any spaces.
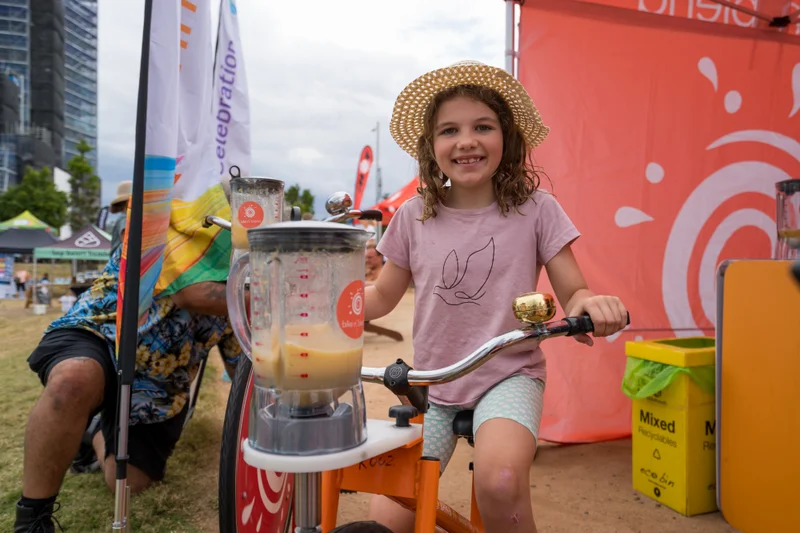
{"x":534,"y":307}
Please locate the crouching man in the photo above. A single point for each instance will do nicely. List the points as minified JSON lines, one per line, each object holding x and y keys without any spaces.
{"x":76,"y":363}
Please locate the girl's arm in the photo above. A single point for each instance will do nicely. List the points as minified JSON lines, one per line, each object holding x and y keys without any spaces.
{"x":382,"y":297}
{"x":607,"y":312}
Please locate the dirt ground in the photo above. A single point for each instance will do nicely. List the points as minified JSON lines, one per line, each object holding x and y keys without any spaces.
{"x":573,"y":488}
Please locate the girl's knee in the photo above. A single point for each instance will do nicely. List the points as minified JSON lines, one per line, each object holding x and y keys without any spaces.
{"x":500,"y":484}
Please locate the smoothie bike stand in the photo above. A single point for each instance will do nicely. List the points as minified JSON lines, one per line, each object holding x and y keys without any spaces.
{"x":304,"y":404}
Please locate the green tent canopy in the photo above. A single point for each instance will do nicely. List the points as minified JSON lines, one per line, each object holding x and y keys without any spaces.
{"x":25,"y":220}
{"x":90,"y":244}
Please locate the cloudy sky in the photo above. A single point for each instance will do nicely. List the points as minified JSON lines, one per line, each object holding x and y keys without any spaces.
{"x":321,"y":74}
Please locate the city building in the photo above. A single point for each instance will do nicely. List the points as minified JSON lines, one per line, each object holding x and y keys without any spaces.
{"x":80,"y":77}
{"x":48,"y":49}
{"x":15,"y":52}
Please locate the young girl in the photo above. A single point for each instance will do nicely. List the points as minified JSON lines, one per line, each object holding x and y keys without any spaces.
{"x":470,"y":249}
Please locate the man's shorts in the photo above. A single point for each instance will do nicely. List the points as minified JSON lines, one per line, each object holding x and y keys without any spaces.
{"x":149,"y":445}
{"x":518,"y":398}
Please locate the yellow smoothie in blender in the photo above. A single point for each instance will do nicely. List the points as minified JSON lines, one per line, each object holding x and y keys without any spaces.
{"x":313,"y":357}
{"x":239,"y":236}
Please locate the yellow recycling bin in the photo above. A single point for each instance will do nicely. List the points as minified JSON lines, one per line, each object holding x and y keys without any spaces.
{"x":671,"y":383}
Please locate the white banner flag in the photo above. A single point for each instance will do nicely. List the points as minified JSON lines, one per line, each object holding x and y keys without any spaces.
{"x":231,"y":104}
{"x":194,"y":173}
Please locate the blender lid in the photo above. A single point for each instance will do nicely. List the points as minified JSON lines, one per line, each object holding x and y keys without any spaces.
{"x":791,"y":186}
{"x":307,"y":235}
{"x":257,"y":180}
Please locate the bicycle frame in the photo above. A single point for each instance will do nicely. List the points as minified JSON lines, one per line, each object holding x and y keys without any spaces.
{"x":403,"y":475}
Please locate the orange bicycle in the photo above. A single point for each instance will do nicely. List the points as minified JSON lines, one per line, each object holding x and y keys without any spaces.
{"x":390,"y":462}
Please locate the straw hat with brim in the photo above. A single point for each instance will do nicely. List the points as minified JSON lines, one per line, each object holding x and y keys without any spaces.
{"x":123,"y":192}
{"x":408,"y":117}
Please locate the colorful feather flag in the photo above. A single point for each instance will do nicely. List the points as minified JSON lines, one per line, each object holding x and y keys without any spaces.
{"x":181,"y":183}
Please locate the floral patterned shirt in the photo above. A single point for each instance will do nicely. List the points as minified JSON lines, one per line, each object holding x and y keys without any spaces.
{"x":172,"y":343}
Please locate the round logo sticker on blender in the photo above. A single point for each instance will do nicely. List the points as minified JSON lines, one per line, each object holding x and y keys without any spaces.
{"x":250,"y":215}
{"x":350,"y":310}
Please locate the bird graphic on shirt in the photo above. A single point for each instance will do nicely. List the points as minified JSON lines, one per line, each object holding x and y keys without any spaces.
{"x":466,"y":286}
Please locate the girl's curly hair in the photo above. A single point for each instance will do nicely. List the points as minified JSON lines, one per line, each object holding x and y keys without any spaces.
{"x":516,"y":178}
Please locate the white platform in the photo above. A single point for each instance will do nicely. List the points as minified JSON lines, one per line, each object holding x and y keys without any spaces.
{"x":382,"y":436}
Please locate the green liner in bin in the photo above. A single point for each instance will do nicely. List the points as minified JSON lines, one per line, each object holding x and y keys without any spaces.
{"x":644,"y":378}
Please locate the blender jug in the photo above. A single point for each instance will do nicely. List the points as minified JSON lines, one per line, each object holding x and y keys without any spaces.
{"x":306,"y":341}
{"x":255,"y":202}
{"x":787,"y":194}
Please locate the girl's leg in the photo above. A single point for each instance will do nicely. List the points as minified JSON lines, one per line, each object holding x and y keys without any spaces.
{"x":440,"y":442}
{"x":506,"y":427}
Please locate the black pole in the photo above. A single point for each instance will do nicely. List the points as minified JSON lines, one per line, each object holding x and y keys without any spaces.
{"x":216,"y":46}
{"x":796,"y":270}
{"x":130,"y":304}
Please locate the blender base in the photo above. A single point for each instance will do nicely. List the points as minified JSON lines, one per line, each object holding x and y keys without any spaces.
{"x":310,"y":434}
{"x":383,"y":436}
{"x":308,"y":422}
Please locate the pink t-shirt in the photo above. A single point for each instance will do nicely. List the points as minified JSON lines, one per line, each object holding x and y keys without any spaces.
{"x":467,"y":267}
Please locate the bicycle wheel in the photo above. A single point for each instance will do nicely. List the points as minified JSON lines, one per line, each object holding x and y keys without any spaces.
{"x":250,"y":500}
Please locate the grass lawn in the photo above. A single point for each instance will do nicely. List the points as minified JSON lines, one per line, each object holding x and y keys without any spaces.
{"x":187,"y":499}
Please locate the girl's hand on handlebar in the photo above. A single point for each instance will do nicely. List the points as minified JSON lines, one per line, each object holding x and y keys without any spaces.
{"x":608,"y":315}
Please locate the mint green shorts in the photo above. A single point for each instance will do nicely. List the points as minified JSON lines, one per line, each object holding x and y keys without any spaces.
{"x":518,"y":398}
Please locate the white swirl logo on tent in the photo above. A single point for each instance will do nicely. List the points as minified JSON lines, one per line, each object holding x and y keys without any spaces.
{"x":87,"y":240}
{"x":735,"y":179}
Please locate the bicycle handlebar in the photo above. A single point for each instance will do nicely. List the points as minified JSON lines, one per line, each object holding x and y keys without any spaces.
{"x":367,"y":214}
{"x":401,"y":379}
{"x":371,"y":214}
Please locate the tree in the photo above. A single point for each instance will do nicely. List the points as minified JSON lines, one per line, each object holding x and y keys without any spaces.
{"x":84,"y":202}
{"x":38,"y":194}
{"x":303,"y":199}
